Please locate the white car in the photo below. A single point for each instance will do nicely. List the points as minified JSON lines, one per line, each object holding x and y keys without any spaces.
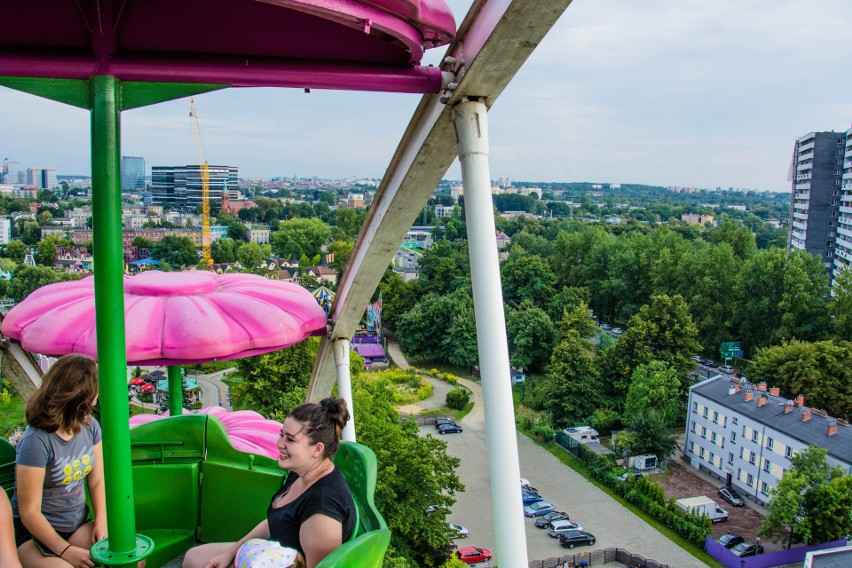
{"x":457,"y":531}
{"x":617,"y":331}
{"x":727,"y":369}
{"x":556,"y":528}
{"x":525,"y":482}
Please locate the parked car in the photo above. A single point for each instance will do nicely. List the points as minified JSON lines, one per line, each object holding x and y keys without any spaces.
{"x":444,"y":420}
{"x":727,"y":369}
{"x":730,"y":539}
{"x":571,"y":539}
{"x":538,"y":509}
{"x":449,"y":429}
{"x":525,"y":482}
{"x":473,"y":554}
{"x":635,"y":474}
{"x":542,"y":522}
{"x":555,"y":528}
{"x":605,"y":327}
{"x":617,"y":331}
{"x":747,"y":549}
{"x":731,"y":496}
{"x":530,"y":498}
{"x":710,"y":363}
{"x":433,"y":508}
{"x":697,"y":359}
{"x":457,"y":531}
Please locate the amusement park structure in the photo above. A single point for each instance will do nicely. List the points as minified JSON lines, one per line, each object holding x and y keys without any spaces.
{"x":205,"y":185}
{"x":107,"y":56}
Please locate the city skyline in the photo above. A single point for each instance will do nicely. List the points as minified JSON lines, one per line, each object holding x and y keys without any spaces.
{"x":687,"y":94}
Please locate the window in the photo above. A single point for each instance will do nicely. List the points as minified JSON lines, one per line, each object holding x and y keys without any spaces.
{"x":715,"y":417}
{"x":767,"y":465}
{"x":695,"y":407}
{"x":713,"y":437}
{"x":712,"y":458}
{"x":744,"y":430}
{"x":733,"y":437}
{"x":788,"y":452}
{"x":692,"y":447}
{"x":764,"y":488}
{"x":701,"y":453}
{"x":724,"y":421}
{"x":770,"y":443}
{"x":706,"y":412}
{"x":735,"y":420}
{"x":692,"y":427}
{"x":730,"y":457}
{"x":742,"y":451}
{"x":754,"y":435}
{"x":703,"y":432}
{"x":750,"y":480}
{"x":751,"y":456}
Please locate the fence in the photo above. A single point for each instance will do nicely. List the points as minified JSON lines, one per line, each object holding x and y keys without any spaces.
{"x":598,"y":558}
{"x":779,"y":558}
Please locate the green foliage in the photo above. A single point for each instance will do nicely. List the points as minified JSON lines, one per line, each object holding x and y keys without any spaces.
{"x":27,"y":279}
{"x":249,"y":256}
{"x":840,"y":304}
{"x":654,"y":387}
{"x":178,"y":252}
{"x":531,"y":337}
{"x":408,"y":387}
{"x":457,"y":399}
{"x":576,"y":319}
{"x":300,"y":237}
{"x":47,"y":249}
{"x":812,"y":501}
{"x":822,"y":371}
{"x":604,"y":420}
{"x":441,"y":328}
{"x":15,"y":249}
{"x":527,"y":278}
{"x":654,"y":435}
{"x":397,"y":297}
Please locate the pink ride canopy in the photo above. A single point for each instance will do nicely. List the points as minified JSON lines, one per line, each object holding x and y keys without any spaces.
{"x":248,"y":431}
{"x":172,"y":318}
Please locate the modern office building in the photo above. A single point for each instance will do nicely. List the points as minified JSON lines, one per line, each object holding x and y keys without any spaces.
{"x":843,"y":247}
{"x":815,"y":200}
{"x":747,"y":433}
{"x":180,"y":186}
{"x":41,"y":178}
{"x":132,"y":173}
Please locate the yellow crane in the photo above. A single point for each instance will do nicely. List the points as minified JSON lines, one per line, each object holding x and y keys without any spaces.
{"x":205,"y":186}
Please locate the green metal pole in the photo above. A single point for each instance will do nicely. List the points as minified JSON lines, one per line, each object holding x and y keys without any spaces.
{"x":175,"y":391}
{"x":121,"y":547}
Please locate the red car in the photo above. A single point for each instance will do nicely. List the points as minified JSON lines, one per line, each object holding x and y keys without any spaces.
{"x":473,"y":554}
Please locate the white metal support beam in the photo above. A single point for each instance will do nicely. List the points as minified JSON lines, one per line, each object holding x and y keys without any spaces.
{"x":471,"y":122}
{"x":494,"y":40}
{"x":344,"y":385}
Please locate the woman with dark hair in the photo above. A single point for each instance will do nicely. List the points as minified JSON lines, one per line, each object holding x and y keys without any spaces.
{"x":59,"y":452}
{"x":313,"y":512}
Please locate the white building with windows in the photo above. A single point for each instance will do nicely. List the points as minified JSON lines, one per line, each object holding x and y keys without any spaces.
{"x":843,"y":252}
{"x":748,"y":433}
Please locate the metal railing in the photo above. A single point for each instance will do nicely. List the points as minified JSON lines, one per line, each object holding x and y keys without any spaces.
{"x":598,"y":558}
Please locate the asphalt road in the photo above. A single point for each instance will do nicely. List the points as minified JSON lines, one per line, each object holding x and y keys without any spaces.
{"x":611,"y":523}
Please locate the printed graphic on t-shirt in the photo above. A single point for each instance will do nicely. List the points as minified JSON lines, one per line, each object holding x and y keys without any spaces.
{"x":68,"y":470}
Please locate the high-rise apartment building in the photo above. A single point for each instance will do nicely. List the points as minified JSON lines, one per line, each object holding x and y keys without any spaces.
{"x":180,"y":186}
{"x":814,"y":204}
{"x":132,"y":173}
{"x":843,"y":250}
{"x":41,"y":178}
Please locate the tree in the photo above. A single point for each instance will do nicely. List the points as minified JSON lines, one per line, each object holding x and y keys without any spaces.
{"x":571,"y":390}
{"x":30,"y":232}
{"x":576,"y":319}
{"x":47,"y":249}
{"x":15,"y":249}
{"x":527,"y":277}
{"x":224,"y":250}
{"x":459,"y":342}
{"x":249,"y":256}
{"x":397,"y":297}
{"x":840,"y":304}
{"x":653,"y":387}
{"x":300,"y":236}
{"x":176,"y":251}
{"x":143,"y":243}
{"x":654,"y":435}
{"x":531,"y":337}
{"x":422,"y":329}
{"x":28,"y":279}
{"x":812,"y":501}
{"x":822,"y":371}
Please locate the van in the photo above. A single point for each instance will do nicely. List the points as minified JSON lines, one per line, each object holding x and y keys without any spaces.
{"x":583,"y":434}
{"x":555,"y":528}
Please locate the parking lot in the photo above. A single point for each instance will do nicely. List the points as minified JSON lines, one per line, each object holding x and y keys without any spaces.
{"x":612,"y":524}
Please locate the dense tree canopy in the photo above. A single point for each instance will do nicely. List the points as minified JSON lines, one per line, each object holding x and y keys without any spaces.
{"x":176,"y":251}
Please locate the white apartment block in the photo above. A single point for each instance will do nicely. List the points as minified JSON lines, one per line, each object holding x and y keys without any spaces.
{"x":79,"y":216}
{"x":749,"y":432}
{"x":258,"y":234}
{"x":444,"y":211}
{"x":5,"y":230}
{"x":843,"y":250}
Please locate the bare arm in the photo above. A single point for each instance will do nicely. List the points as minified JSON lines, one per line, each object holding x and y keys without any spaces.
{"x":319,"y":535}
{"x":29,"y":483}
{"x":95,"y":482}
{"x":8,"y":554}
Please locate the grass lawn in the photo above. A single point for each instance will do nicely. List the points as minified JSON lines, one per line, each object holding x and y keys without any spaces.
{"x":12,"y":413}
{"x":580,"y":467}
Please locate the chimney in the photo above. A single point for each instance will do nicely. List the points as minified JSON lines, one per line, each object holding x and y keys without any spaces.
{"x":761,"y":400}
{"x":788,"y":407}
{"x":806,"y":415}
{"x":775,"y":391}
{"x":800,"y":400}
{"x":832,"y":428}
{"x":749,"y":395}
{"x":737,"y":388}
{"x":761,"y":386}
{"x":842,"y":422}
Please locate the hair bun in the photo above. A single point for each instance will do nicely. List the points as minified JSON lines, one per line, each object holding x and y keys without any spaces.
{"x":336,"y":409}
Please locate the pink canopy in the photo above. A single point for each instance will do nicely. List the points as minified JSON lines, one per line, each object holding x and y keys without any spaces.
{"x":172,"y":318}
{"x":247,"y":430}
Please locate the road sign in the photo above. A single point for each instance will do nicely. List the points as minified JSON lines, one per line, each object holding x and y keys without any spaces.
{"x":732,"y":349}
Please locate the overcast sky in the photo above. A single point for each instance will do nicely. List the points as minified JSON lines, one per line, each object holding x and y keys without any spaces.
{"x":688,"y":92}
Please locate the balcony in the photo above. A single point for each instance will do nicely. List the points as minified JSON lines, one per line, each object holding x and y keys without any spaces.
{"x":798,"y":236}
{"x":844,"y":209}
{"x":807,"y":146}
{"x":800,"y":226}
{"x":844,"y":246}
{"x":806,"y":194}
{"x":798,"y":215}
{"x":845,"y":232}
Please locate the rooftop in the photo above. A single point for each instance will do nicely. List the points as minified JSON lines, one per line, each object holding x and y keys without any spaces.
{"x":811,"y":432}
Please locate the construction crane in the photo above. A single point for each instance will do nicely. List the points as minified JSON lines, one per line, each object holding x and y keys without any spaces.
{"x":205,"y":186}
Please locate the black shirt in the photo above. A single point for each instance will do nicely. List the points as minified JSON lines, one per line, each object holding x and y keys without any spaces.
{"x":329,"y":496}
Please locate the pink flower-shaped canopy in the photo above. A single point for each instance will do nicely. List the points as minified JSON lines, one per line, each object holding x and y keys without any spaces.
{"x":172,"y":318}
{"x":247,"y":430}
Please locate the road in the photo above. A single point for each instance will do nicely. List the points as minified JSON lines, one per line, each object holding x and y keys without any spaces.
{"x":612,"y":524}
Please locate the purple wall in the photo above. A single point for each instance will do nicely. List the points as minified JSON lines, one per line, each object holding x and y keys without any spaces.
{"x":767,"y":560}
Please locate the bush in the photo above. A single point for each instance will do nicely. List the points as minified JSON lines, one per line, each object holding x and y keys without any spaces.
{"x":457,"y":399}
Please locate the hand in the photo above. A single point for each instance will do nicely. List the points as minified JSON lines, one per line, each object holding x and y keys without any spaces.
{"x":225,"y":560}
{"x":78,"y":557}
{"x":99,"y":531}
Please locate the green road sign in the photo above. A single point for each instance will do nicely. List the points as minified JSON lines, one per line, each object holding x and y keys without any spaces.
{"x":732,"y":349}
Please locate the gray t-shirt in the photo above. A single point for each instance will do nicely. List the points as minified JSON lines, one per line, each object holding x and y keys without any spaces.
{"x":66,"y":464}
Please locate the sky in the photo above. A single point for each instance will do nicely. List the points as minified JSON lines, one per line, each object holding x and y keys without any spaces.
{"x":687,"y":92}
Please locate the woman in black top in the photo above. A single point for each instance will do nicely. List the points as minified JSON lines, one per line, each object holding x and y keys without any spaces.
{"x":313,"y":511}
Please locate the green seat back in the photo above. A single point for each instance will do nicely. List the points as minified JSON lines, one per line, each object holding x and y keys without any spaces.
{"x":7,"y":466}
{"x":365,"y":551}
